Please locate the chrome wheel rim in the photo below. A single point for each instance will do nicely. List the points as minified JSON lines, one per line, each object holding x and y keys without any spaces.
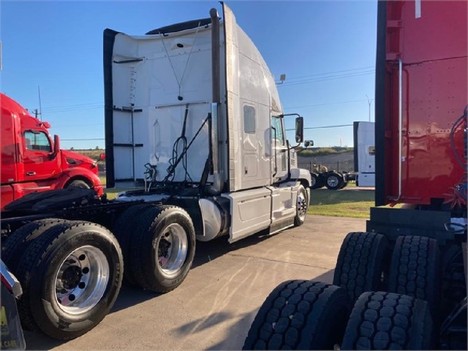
{"x":301,"y":205}
{"x":172,"y":250}
{"x":81,"y":280}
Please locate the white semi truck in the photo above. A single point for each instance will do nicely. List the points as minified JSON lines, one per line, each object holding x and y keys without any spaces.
{"x":364,"y":153}
{"x":194,"y":125}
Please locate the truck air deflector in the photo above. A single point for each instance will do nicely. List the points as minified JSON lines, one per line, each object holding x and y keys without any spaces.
{"x":202,"y":22}
{"x":252,"y":100}
{"x":109,"y":39}
{"x":161,"y":99}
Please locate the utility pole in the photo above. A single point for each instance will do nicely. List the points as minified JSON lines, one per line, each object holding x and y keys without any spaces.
{"x":369,"y":101}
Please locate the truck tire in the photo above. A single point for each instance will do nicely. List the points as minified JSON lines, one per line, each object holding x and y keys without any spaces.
{"x":316,"y":181}
{"x":162,"y":248}
{"x":300,"y":315}
{"x":361,"y":263}
{"x":123,"y":229}
{"x":334,"y":181}
{"x":302,"y":205}
{"x":388,"y":321}
{"x":17,"y":242}
{"x":71,"y":276}
{"x":78,"y":183}
{"x":453,"y":278}
{"x":415,"y":270}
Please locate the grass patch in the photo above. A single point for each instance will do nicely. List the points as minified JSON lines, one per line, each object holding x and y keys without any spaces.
{"x":341,"y":203}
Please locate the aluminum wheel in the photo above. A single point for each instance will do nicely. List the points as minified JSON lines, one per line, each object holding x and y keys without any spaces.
{"x":301,"y":205}
{"x":172,"y":250}
{"x":81,"y":280}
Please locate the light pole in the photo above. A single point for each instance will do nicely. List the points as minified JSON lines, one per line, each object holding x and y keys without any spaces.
{"x":369,"y":101}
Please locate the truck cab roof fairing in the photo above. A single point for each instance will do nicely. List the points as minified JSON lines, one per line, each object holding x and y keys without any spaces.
{"x":248,"y":82}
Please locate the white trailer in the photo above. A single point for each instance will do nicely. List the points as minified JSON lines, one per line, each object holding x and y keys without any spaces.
{"x":194,"y":125}
{"x":364,"y":153}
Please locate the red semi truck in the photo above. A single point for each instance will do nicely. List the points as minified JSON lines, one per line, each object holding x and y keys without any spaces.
{"x":33,"y":162}
{"x":401,"y":284}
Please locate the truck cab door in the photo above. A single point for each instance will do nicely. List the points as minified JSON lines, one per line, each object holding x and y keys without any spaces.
{"x":39,"y":163}
{"x":279,"y":150}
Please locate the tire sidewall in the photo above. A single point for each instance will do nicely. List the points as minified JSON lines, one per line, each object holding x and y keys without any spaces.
{"x":167,"y":217}
{"x":45,"y":309}
{"x":298,"y":220}
{"x":339,"y":181}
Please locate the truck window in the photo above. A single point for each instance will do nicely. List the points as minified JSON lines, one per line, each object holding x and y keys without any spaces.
{"x":249,"y":119}
{"x":277,"y":129}
{"x":37,"y":141}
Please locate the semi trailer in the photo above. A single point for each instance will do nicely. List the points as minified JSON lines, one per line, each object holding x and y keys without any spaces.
{"x":195,"y":128}
{"x":401,"y":283}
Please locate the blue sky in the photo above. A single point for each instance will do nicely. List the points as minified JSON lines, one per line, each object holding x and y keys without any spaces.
{"x":325,"y":48}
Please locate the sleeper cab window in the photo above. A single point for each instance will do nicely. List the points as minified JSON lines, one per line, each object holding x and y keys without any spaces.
{"x":249,"y":119}
{"x":37,"y":141}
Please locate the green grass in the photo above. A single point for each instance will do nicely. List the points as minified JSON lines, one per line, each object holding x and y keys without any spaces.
{"x":341,"y":203}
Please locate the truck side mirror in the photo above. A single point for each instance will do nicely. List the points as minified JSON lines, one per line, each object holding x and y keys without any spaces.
{"x":56,"y":146}
{"x":299,"y":129}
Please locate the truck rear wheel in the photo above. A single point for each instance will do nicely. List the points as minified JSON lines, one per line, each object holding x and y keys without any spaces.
{"x":334,"y":181}
{"x":124,"y":228}
{"x":360,"y":263}
{"x":302,"y":205}
{"x":162,"y":248}
{"x":78,"y":183}
{"x":415,"y":269}
{"x":71,"y":276}
{"x":300,"y":315}
{"x":388,"y":321}
{"x":17,"y":243}
{"x":316,"y":181}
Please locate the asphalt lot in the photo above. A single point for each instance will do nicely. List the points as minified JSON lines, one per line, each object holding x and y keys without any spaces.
{"x":215,"y":305}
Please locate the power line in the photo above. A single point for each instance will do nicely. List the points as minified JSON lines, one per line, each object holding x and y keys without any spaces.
{"x":87,"y":139}
{"x":323,"y":127}
{"x":325,"y":78}
{"x":324,"y":104}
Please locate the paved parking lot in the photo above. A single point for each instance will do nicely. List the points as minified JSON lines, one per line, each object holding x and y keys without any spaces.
{"x":214,"y":307}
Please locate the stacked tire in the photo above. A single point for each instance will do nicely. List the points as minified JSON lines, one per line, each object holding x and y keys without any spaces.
{"x":380,"y":299}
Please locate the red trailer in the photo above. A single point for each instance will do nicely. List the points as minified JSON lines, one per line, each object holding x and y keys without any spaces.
{"x":401,"y":284}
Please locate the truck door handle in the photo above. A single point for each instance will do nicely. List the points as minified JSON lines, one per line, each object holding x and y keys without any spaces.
{"x":32,"y":173}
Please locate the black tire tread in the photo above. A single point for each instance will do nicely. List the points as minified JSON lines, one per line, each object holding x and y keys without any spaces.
{"x":141,"y":247}
{"x":299,"y":314}
{"x":360,"y":263}
{"x":415,"y":269}
{"x":19,"y":240}
{"x":124,"y":229}
{"x":383,"y":321}
{"x":29,"y":260}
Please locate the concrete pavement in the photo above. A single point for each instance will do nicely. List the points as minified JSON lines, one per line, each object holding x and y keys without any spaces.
{"x":215,"y":305}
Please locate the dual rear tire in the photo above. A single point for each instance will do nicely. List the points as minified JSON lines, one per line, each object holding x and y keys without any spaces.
{"x":70,"y":272}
